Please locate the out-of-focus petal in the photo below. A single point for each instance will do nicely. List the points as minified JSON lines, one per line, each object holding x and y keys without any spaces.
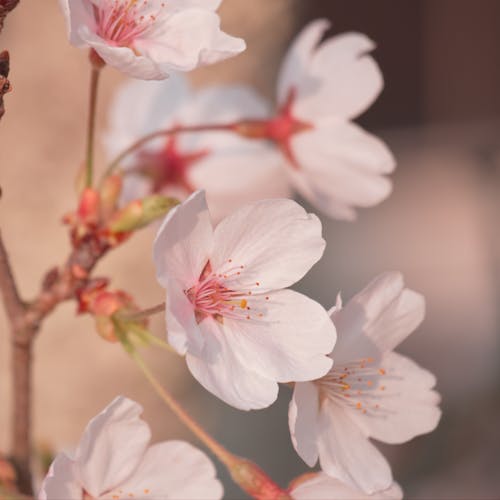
{"x":112,"y":447}
{"x":172,"y":470}
{"x":323,"y":487}
{"x":61,"y":481}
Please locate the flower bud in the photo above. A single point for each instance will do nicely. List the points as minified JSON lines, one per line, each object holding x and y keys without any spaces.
{"x":110,"y":191}
{"x":254,"y":481}
{"x":140,"y":213}
{"x":88,"y":209}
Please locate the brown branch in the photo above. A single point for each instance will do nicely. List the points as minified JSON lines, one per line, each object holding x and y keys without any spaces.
{"x":5,"y":7}
{"x":5,"y":86}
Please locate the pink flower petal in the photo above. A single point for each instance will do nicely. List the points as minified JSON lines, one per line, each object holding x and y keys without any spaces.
{"x":112,"y":447}
{"x":61,"y":481}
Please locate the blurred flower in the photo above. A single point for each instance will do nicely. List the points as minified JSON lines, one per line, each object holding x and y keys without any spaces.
{"x":371,"y":392}
{"x":320,"y":486}
{"x":114,"y":461}
{"x":149,"y":39}
{"x":331,"y":161}
{"x":232,"y":170}
{"x":226,"y":308}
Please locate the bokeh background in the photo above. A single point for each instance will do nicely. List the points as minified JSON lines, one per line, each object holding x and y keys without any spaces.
{"x":439,"y":113}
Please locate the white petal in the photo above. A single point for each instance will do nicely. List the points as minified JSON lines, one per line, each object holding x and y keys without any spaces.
{"x":172,"y":470}
{"x":224,"y":104}
{"x":350,"y":79}
{"x":221,"y":372}
{"x":141,"y":107}
{"x":382,"y":315}
{"x":202,"y":4}
{"x":239,"y":174}
{"x":295,"y":68}
{"x":276,"y":241}
{"x":290,"y":342}
{"x":123,"y":58}
{"x":184,"y":242}
{"x":77,"y":13}
{"x":323,"y":487}
{"x":345,"y":452}
{"x":407,"y":407}
{"x":111,"y":447}
{"x":342,"y":165}
{"x":303,"y":420}
{"x":189,"y":38}
{"x":182,"y":329}
{"x":61,"y":482}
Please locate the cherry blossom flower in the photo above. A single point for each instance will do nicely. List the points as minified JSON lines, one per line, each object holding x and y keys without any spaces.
{"x":114,"y":461}
{"x":320,"y":486}
{"x":148,"y":39}
{"x":330,"y":160}
{"x":232,"y":170}
{"x":371,"y":391}
{"x":226,"y":306}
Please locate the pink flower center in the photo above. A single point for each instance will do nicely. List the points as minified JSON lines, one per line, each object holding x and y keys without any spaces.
{"x":212,"y":296}
{"x":169,"y":166}
{"x":358,"y":384}
{"x":120,"y":22}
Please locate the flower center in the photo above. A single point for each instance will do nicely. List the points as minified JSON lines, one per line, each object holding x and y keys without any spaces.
{"x":211,"y":297}
{"x":169,"y":166}
{"x":358,"y":384}
{"x":120,"y":22}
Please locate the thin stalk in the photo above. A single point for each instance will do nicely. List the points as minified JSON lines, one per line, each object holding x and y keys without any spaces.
{"x":164,"y":133}
{"x":89,"y":159}
{"x":145,"y":313}
{"x":217,"y":449}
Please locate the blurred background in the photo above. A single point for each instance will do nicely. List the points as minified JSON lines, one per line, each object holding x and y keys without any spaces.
{"x":439,"y":113}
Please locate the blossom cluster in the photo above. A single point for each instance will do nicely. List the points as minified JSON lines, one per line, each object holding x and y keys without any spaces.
{"x":228,"y":253}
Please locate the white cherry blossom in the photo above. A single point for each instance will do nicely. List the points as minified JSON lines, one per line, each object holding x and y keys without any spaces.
{"x":320,"y":486}
{"x":370,"y":392}
{"x":226,"y":306}
{"x":115,"y":461}
{"x":232,"y":170}
{"x":148,"y":39}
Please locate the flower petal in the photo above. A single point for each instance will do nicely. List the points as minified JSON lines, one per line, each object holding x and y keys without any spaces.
{"x":182,"y":329}
{"x":76,"y":13}
{"x":323,"y":487}
{"x":276,"y":242}
{"x":302,"y":421}
{"x":123,"y":58}
{"x":111,"y":447}
{"x":350,"y":79}
{"x":189,"y":38}
{"x":407,"y":407}
{"x":221,"y":372}
{"x":289,"y":342}
{"x":172,"y":470}
{"x":294,"y":70}
{"x":345,"y":452}
{"x":184,"y":242}
{"x":342,"y":165}
{"x":382,"y":315}
{"x":141,"y":107}
{"x":61,"y":481}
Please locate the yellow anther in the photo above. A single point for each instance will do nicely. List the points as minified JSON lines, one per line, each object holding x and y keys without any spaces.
{"x":243,"y":303}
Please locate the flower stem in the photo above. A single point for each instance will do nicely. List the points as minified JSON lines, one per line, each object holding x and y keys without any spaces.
{"x":145,"y":313}
{"x":227,"y":127}
{"x":89,"y":161}
{"x":245,"y":473}
{"x":218,"y":450}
